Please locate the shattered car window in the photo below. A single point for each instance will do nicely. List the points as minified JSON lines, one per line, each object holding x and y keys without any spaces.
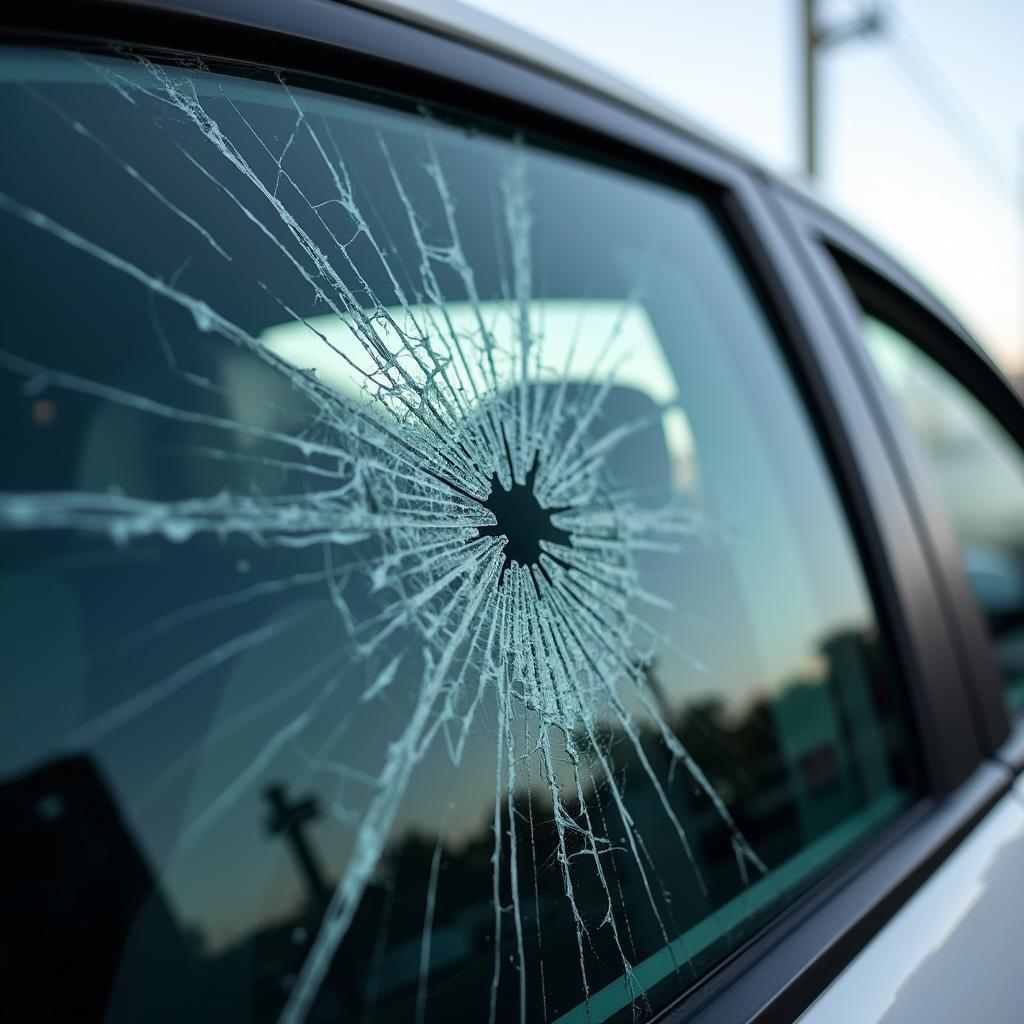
{"x":423,"y":593}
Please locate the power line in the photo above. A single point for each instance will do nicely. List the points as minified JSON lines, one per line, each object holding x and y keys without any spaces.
{"x":946,"y":104}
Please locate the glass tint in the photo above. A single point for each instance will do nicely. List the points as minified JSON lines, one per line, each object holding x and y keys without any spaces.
{"x":424,"y":596}
{"x":979,"y":472}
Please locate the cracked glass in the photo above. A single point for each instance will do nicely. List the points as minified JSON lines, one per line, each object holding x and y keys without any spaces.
{"x":423,"y":590}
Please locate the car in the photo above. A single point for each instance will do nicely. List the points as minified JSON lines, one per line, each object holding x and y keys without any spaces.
{"x":475,"y":547}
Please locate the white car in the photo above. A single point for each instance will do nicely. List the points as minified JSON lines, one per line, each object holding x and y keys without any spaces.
{"x":473,"y":548}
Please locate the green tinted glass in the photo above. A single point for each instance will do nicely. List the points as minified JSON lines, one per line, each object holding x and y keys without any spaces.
{"x":425,"y":596}
{"x":979,"y":472}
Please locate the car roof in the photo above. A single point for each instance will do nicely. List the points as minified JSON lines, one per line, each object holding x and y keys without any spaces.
{"x":467,"y":24}
{"x":462,"y":22}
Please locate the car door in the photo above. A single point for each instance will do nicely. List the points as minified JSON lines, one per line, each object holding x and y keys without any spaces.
{"x":447,"y":568}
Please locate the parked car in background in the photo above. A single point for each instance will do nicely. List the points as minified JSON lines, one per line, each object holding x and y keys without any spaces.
{"x":474,"y":547}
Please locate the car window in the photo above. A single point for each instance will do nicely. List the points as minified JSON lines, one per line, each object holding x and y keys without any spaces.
{"x":424,"y":591}
{"x":978,"y":470}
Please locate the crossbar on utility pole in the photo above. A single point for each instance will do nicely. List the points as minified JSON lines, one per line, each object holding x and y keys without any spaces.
{"x":814,"y":38}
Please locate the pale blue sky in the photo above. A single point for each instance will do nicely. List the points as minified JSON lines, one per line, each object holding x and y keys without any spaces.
{"x":950,"y":211}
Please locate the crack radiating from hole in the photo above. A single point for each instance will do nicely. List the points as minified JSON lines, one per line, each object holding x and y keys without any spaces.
{"x":539,"y":619}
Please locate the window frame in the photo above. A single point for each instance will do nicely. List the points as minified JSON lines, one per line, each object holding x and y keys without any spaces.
{"x":783,"y":968}
{"x":859,"y":278}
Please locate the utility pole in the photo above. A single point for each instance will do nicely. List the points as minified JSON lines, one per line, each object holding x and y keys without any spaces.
{"x":814,"y":39}
{"x":809,"y":49}
{"x":1018,"y":376}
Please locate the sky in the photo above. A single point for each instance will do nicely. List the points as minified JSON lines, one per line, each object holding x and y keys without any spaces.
{"x":922,"y":126}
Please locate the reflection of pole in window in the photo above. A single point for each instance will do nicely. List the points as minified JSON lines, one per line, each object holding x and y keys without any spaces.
{"x":287,"y":818}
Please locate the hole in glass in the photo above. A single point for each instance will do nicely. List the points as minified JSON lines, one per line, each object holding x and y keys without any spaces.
{"x":522,"y":521}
